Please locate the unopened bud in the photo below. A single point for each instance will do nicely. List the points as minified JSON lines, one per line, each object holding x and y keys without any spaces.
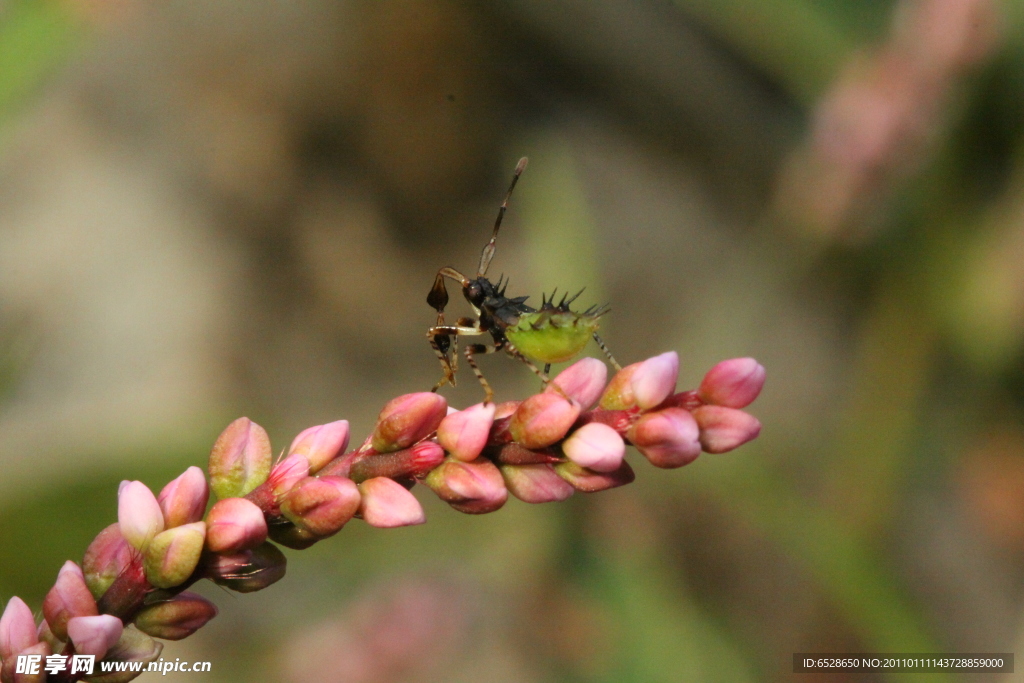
{"x":45,"y":635}
{"x":105,"y":558}
{"x":535,"y":483}
{"x":9,"y":671}
{"x":321,"y":444}
{"x":284,"y":532}
{"x":408,"y":419}
{"x":723,"y":429}
{"x":133,"y":646}
{"x":69,"y":597}
{"x":543,"y":419}
{"x":177,"y":617}
{"x":184,"y":499}
{"x":387,"y":504}
{"x":619,"y":393}
{"x":733,"y":383}
{"x":464,"y":433}
{"x":589,"y":481}
{"x":139,"y":514}
{"x":583,"y":381}
{"x":240,"y":459}
{"x":234,"y":524}
{"x":655,"y":380}
{"x":668,"y":438}
{"x":249,"y":570}
{"x":96,"y":634}
{"x":322,"y":505}
{"x":471,"y":487}
{"x":595,"y":446}
{"x":172,"y":556}
{"x":17,"y":629}
{"x":287,"y":474}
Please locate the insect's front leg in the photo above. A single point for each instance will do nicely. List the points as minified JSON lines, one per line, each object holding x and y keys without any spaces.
{"x":445,"y":338}
{"x":473,"y":350}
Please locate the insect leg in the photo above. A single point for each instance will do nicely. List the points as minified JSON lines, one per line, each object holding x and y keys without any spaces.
{"x":472,"y":350}
{"x":518,"y":355}
{"x":611,"y":358}
{"x":443,"y":337}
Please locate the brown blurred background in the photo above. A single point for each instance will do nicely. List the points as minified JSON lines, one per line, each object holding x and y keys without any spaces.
{"x":237,"y":208}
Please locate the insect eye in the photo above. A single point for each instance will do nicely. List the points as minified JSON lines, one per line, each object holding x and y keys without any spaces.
{"x":473,"y":292}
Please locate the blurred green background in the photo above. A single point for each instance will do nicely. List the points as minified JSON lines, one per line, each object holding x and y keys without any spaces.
{"x":237,"y":208}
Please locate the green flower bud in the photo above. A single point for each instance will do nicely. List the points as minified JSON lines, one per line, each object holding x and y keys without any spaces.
{"x":172,"y":555}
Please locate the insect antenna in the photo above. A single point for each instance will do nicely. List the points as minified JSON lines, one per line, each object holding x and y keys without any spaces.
{"x":488,"y":253}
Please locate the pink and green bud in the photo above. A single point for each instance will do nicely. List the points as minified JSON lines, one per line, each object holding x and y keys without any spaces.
{"x":287,"y":474}
{"x":668,"y":438}
{"x":172,"y":556}
{"x":535,"y":483}
{"x":595,"y":446}
{"x":133,"y":646}
{"x":105,"y":559}
{"x":249,"y":570}
{"x":321,"y":444}
{"x":583,"y":381}
{"x":732,"y":383}
{"x":17,"y":629}
{"x":177,"y":617}
{"x":723,"y":429}
{"x":8,"y":673}
{"x":408,"y":419}
{"x":464,"y":433}
{"x":322,"y":505}
{"x":655,"y":380}
{"x":184,"y":499}
{"x":96,"y":634}
{"x":618,"y":395}
{"x":589,"y":481}
{"x":69,"y":597}
{"x":240,"y":459}
{"x":505,"y":409}
{"x":542,"y":420}
{"x":471,"y":487}
{"x":138,"y":514}
{"x":47,"y":636}
{"x":234,"y":524}
{"x":386,"y":504}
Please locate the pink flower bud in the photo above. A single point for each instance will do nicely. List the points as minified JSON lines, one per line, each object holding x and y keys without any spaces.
{"x":723,"y":429}
{"x":172,"y":555}
{"x":322,"y":506}
{"x":619,"y":393}
{"x":668,"y":438}
{"x":249,"y":570}
{"x":94,"y":635}
{"x":506,"y":408}
{"x":542,"y":419}
{"x":408,"y":419}
{"x":68,"y":598}
{"x":733,"y":383}
{"x":321,"y":444}
{"x":464,"y":433}
{"x":234,"y":524}
{"x":139,"y":514}
{"x":655,"y":380}
{"x":132,"y":646}
{"x":105,"y":558}
{"x":8,"y":673}
{"x":287,"y":474}
{"x":589,"y":481}
{"x":471,"y":487}
{"x":595,"y":446}
{"x":184,"y":499}
{"x":240,"y":459}
{"x":387,"y":504}
{"x":177,"y":617}
{"x":535,"y":483}
{"x":583,"y":381}
{"x":17,"y":629}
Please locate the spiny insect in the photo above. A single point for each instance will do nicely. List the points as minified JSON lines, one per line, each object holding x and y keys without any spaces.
{"x":552,"y":334}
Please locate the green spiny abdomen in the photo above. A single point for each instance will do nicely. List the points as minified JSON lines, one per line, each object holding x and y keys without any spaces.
{"x":552,"y":337}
